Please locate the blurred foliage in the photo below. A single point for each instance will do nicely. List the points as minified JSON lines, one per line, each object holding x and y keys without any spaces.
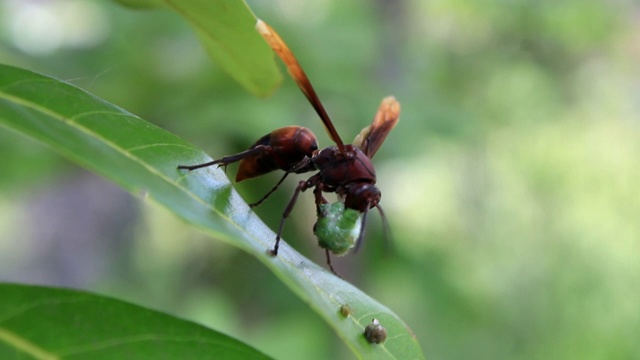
{"x":510,"y":182}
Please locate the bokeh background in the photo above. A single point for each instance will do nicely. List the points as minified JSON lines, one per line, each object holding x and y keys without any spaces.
{"x":511,"y":183}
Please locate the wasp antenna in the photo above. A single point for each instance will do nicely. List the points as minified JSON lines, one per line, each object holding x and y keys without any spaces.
{"x":386,"y":229}
{"x":299,"y":76}
{"x":361,"y":235}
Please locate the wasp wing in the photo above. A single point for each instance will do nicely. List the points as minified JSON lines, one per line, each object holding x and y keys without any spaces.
{"x":295,"y":70}
{"x":371,"y":137}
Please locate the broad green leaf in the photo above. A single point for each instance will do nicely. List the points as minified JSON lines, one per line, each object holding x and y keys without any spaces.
{"x":45,"y":323}
{"x":143,"y":158}
{"x":227,"y":31}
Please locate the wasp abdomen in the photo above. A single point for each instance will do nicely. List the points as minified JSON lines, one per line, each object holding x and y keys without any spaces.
{"x":284,"y":148}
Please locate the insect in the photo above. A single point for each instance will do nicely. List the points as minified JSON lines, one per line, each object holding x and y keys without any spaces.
{"x":375,"y":333}
{"x":346,"y":310}
{"x":344,"y":169}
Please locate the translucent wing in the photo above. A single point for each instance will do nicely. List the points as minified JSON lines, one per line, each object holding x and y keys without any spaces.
{"x":371,"y":137}
{"x":295,"y":70}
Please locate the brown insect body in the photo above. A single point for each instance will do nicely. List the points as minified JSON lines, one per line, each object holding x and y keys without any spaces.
{"x":338,"y":168}
{"x":349,"y":173}
{"x":284,"y":148}
{"x":346,"y":170}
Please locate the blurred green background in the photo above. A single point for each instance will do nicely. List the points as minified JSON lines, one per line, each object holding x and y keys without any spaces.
{"x":511,"y":182}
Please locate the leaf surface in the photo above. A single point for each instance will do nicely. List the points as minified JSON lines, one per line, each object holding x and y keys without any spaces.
{"x":48,"y":323}
{"x":143,"y":158}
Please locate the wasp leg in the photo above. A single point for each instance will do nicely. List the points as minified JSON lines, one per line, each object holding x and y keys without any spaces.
{"x":331,"y":266}
{"x":319,"y":198}
{"x":302,"y":186}
{"x":255,"y":204}
{"x":386,"y":230}
{"x":304,"y":166}
{"x":229,"y":159}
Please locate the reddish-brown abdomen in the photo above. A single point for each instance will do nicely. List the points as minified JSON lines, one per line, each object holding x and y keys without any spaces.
{"x":286,"y":147}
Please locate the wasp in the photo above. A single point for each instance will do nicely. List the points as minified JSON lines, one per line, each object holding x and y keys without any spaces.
{"x":344,"y":169}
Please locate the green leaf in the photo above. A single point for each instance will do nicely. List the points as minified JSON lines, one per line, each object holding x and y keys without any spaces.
{"x":140,"y":4}
{"x":227,"y":31}
{"x":47,"y":323}
{"x":143,"y":158}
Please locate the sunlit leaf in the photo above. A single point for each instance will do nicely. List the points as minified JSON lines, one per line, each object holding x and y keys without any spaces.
{"x":226,"y":29}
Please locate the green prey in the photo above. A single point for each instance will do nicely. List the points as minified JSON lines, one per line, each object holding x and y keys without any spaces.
{"x":338,"y":228}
